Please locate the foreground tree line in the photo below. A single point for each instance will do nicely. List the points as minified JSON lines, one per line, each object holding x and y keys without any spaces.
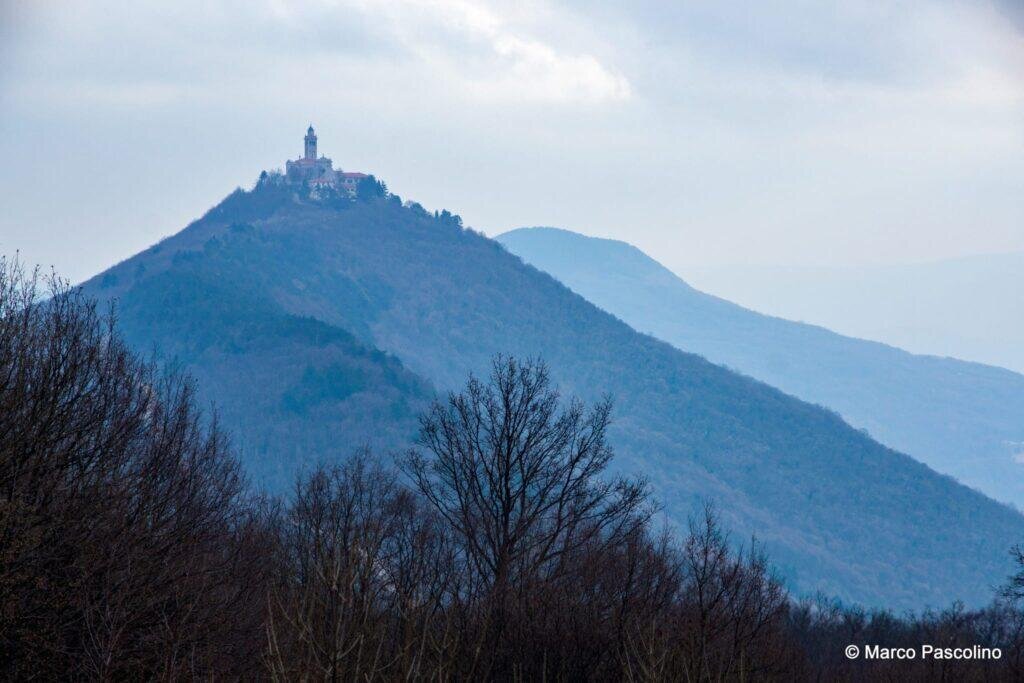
{"x":499,"y":547}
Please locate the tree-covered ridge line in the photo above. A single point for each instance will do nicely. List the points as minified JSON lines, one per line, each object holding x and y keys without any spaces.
{"x":837,"y":512}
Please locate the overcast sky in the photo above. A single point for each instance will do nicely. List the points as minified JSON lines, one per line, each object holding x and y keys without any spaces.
{"x":783,"y":131}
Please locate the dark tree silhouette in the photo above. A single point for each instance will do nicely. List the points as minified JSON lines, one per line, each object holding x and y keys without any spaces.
{"x":370,"y":188}
{"x":520,"y":480}
{"x":362,"y":572}
{"x":130,"y":548}
{"x":126,"y":547}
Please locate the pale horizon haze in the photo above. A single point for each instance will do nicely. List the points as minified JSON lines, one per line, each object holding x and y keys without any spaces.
{"x":792,"y":132}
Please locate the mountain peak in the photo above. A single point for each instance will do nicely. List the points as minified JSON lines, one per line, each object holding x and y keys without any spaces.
{"x":539,"y":245}
{"x":319,"y":325}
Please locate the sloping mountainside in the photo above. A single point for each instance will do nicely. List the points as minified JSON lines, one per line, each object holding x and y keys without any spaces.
{"x":291,"y":389}
{"x":963,"y":419}
{"x":251,"y":294}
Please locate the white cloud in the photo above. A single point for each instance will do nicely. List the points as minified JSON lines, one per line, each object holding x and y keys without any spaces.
{"x":474,"y":46}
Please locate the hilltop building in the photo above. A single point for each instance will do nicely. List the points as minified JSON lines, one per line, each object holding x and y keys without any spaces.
{"x":319,"y":171}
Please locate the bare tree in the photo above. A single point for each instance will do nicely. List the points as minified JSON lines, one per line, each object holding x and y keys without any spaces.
{"x":126,"y":543}
{"x":1013,"y":589}
{"x":521,"y":481}
{"x":733,"y":607}
{"x":362,"y":577}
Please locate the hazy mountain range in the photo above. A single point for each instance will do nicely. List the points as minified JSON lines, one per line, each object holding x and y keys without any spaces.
{"x":320,"y":326}
{"x":963,"y":419}
{"x":970,"y":308}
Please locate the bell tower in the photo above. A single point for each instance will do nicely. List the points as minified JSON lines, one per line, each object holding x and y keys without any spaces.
{"x":310,"y":143}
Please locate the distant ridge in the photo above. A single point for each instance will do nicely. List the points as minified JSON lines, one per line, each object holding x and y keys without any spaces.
{"x":964,"y":419}
{"x":970,"y":307}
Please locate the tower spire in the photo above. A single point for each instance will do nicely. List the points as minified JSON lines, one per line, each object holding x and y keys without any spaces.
{"x":310,"y":143}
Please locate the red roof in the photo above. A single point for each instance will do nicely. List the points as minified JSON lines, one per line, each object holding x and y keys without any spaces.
{"x":351,"y":174}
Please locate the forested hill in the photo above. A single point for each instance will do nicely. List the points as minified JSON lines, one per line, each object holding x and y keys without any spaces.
{"x":963,"y":419}
{"x":838,"y":512}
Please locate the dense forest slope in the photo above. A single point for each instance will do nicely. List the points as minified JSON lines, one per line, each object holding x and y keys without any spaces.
{"x":258,"y":275}
{"x":963,"y":419}
{"x":291,"y":389}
